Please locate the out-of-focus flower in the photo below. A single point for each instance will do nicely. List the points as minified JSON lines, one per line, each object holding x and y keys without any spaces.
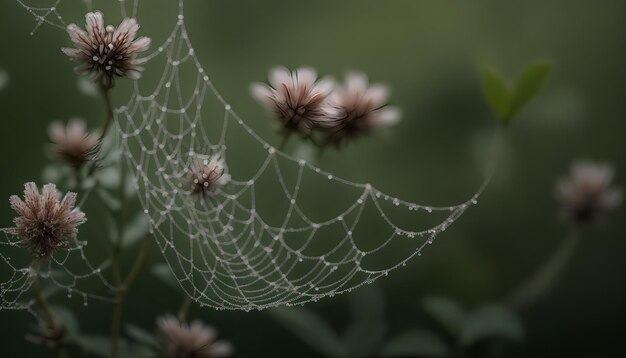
{"x":207,"y":174}
{"x":194,"y":340}
{"x":105,"y":52}
{"x":359,"y":109}
{"x":46,"y":222}
{"x":298,"y":98}
{"x":587,"y":195}
{"x":72,"y":143}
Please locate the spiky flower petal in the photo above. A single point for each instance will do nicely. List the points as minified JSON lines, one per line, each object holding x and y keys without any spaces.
{"x":46,"y":221}
{"x":72,"y":143}
{"x":194,"y":340}
{"x":298,"y":98}
{"x":106,"y":52}
{"x":207,"y":174}
{"x":587,"y":195}
{"x":359,"y":109}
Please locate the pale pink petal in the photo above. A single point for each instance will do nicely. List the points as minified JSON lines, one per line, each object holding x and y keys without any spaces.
{"x":279,"y":76}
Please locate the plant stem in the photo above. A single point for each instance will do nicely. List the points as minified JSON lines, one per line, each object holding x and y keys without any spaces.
{"x":51,"y":323}
{"x":109,"y":111}
{"x":120,"y":296}
{"x":540,"y":283}
{"x":284,"y":141}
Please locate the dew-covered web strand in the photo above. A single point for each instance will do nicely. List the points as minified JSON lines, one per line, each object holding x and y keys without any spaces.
{"x":222,"y":249}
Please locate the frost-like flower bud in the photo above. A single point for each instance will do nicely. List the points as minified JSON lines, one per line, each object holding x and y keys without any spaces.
{"x":46,"y":221}
{"x":587,"y":195}
{"x":72,"y":143}
{"x":207,"y":174}
{"x":359,"y":109}
{"x":106,"y":52}
{"x":298,"y":98}
{"x":194,"y":340}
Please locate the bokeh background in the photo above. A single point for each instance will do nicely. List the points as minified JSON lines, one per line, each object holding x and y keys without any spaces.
{"x":429,"y":53}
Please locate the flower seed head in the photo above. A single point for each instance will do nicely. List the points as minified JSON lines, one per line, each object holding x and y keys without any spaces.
{"x":359,"y":109}
{"x":587,"y":195}
{"x":298,"y":98}
{"x":191,"y":341}
{"x":46,"y":221}
{"x":72,"y":143}
{"x":207,"y":174}
{"x":104,"y":53}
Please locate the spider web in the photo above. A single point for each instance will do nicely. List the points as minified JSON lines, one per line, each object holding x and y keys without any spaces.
{"x":281,"y":232}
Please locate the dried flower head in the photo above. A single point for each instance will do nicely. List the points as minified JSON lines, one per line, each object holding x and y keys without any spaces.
{"x":587,"y":195}
{"x":72,"y":143}
{"x":45,"y":222}
{"x":207,"y":174}
{"x":359,"y":109}
{"x":298,"y":98}
{"x":191,"y":341}
{"x":105,"y":52}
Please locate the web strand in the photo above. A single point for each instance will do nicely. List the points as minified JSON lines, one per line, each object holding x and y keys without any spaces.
{"x":232,"y":249}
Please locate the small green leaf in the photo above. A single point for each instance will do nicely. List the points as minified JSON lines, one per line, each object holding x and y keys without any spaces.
{"x":497,"y":92}
{"x":109,"y":177}
{"x":164,"y":273}
{"x":135,"y":230}
{"x":87,"y":87}
{"x":310,"y":328}
{"x":142,"y":336}
{"x":52,"y":173}
{"x":112,"y":203}
{"x":67,"y":318}
{"x":97,"y":345}
{"x":528,"y":85}
{"x":419,"y":343}
{"x":363,"y":338}
{"x":368,"y":303}
{"x":492,"y":322}
{"x":446,"y":312}
{"x":130,"y":188}
{"x":4,"y":79}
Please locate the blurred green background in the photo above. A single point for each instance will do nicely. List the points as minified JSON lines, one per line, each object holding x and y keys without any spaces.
{"x":429,"y":53}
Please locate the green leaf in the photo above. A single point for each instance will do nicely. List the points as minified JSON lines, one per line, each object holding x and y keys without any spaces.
{"x":112,"y":203}
{"x":446,"y":312}
{"x":52,"y":173}
{"x":419,"y":343}
{"x":100,"y":346}
{"x":310,"y":328}
{"x":492,"y":322}
{"x":4,"y":79}
{"x":87,"y":87}
{"x":528,"y":86}
{"x":135,"y":230}
{"x":364,"y":338}
{"x":97,"y":345}
{"x":109,"y":177}
{"x":67,"y":318}
{"x":497,"y":92}
{"x":130,"y":188}
{"x":164,"y":273}
{"x":368,"y":303}
{"x":142,"y":336}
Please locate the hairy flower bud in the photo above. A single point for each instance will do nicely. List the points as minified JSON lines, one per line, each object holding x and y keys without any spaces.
{"x":106,"y":52}
{"x":46,"y":221}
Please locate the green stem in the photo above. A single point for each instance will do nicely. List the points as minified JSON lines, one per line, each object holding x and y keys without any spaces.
{"x":542,"y":281}
{"x":51,"y":323}
{"x":109,"y":112}
{"x":284,"y":141}
{"x":183,"y":311}
{"x":120,"y":296}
